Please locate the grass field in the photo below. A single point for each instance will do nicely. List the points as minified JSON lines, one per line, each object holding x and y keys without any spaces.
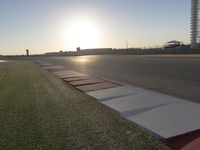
{"x":39,"y":111}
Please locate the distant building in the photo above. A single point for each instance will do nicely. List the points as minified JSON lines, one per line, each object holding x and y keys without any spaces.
{"x":61,"y":53}
{"x":53,"y":54}
{"x":173,"y":44}
{"x":96,"y":51}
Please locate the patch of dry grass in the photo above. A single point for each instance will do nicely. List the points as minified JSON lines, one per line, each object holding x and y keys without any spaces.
{"x":39,"y":111}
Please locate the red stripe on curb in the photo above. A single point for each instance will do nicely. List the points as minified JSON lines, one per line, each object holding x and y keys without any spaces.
{"x":55,"y":69}
{"x":188,"y":141}
{"x":177,"y":58}
{"x":97,"y":86}
{"x":86,"y":82}
{"x":79,"y":78}
{"x":195,"y":145}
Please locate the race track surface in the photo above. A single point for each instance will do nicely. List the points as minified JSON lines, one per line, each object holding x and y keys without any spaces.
{"x":176,"y":76}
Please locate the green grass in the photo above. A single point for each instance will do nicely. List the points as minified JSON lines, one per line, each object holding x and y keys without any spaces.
{"x":39,"y":111}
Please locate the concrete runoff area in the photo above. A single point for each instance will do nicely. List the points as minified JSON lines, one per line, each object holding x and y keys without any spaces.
{"x":107,"y":94}
{"x":166,"y":117}
{"x":169,"y":120}
{"x":134,"y":104}
{"x":163,"y":115}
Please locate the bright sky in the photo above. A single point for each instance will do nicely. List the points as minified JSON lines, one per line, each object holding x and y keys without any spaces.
{"x":53,"y":25}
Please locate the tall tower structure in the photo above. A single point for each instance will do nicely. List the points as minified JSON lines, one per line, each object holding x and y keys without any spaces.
{"x":27,"y":52}
{"x":194,"y":23}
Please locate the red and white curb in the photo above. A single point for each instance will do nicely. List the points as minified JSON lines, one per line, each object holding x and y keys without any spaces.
{"x":173,"y":120}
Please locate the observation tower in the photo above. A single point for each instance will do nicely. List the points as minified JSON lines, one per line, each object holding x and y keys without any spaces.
{"x":194,"y":23}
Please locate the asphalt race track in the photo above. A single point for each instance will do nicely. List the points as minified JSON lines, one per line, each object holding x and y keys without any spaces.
{"x":177,"y":76}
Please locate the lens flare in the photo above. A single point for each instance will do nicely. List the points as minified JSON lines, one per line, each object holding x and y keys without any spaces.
{"x":82,"y":33}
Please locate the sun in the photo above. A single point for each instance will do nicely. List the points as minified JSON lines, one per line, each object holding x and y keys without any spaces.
{"x":82,"y":33}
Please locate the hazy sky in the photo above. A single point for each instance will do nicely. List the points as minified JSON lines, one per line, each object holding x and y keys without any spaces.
{"x":43,"y":25}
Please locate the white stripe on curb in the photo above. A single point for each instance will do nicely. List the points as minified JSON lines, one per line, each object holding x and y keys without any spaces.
{"x":164,"y":116}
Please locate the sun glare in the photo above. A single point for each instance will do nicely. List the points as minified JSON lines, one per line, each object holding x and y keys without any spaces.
{"x":82,"y":33}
